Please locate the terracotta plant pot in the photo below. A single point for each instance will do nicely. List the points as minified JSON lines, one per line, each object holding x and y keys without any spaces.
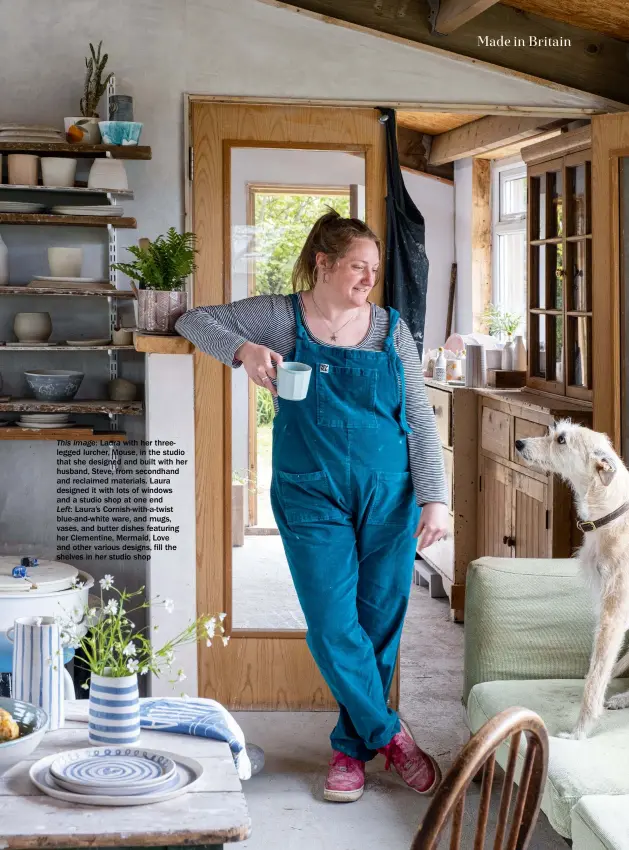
{"x":88,"y":126}
{"x":158,"y":311}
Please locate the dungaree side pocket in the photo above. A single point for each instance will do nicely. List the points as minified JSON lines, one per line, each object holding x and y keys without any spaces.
{"x":307,"y":497}
{"x":394,"y":500}
{"x":346,"y":396}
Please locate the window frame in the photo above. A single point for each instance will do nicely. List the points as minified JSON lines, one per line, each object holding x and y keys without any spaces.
{"x":514,"y":223}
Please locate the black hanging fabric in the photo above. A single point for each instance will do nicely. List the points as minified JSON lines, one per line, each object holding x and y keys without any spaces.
{"x":406,"y":265}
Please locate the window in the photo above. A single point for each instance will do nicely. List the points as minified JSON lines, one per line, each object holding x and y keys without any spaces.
{"x":509,"y":238}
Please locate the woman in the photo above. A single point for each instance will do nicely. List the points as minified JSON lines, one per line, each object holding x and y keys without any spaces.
{"x":354,"y":465}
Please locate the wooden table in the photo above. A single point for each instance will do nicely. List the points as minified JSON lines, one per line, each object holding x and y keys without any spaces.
{"x":213,"y":813}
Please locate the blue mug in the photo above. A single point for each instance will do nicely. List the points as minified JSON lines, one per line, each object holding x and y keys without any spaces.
{"x":121,"y":107}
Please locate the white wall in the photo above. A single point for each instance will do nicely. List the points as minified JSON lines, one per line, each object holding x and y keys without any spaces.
{"x":463,"y":245}
{"x":435,"y":201}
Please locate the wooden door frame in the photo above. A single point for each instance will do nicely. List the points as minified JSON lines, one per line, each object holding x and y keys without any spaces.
{"x":253,"y":650}
{"x":610,"y":143}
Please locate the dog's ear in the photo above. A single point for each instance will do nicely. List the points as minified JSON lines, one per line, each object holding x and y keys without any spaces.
{"x":605,"y":467}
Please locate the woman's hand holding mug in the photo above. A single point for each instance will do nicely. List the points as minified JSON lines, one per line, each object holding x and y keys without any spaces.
{"x":258,"y":361}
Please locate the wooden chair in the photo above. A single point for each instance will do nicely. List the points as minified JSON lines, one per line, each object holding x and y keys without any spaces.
{"x":478,"y":755}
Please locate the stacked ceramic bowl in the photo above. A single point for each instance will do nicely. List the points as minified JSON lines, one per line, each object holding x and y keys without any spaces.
{"x":45,"y":421}
{"x":120,"y":776}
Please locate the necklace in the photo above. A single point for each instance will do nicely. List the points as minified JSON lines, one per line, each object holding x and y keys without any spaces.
{"x":333,"y":332}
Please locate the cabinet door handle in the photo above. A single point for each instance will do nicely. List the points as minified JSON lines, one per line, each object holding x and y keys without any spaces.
{"x":508,"y":541}
{"x":505,"y":540}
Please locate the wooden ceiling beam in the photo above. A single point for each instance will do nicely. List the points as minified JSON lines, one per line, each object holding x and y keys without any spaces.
{"x":592,"y":62}
{"x":454,"y":13}
{"x":484,"y":135}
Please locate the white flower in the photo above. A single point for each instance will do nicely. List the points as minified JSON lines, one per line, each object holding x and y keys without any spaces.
{"x":225,"y":641}
{"x":210,"y":627}
{"x":132,"y":665}
{"x":169,"y":657}
{"x":76,"y":583}
{"x":181,"y":676}
{"x":169,"y":605}
{"x":92,"y":612}
{"x":143,"y":670}
{"x":129,"y":649}
{"x":184,"y":695}
{"x":107,"y":582}
{"x":221,"y":617}
{"x":111,"y":607}
{"x":208,"y":642}
{"x":85,"y":686}
{"x":38,"y":620}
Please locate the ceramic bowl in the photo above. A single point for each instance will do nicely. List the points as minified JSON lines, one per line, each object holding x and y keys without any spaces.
{"x":120,"y":132}
{"x":32,"y":721}
{"x":54,"y":384}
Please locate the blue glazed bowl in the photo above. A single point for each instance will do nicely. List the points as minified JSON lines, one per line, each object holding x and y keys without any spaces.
{"x":54,"y":384}
{"x":33,"y":722}
{"x":120,"y":132}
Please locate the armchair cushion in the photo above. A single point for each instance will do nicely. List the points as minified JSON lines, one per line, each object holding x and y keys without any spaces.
{"x":601,"y":823}
{"x":526,"y":618}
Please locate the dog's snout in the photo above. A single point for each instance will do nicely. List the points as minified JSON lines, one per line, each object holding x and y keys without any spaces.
{"x":519,"y":444}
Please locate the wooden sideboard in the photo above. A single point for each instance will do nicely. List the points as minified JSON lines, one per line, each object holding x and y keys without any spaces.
{"x":498,"y":505}
{"x":522,"y":513}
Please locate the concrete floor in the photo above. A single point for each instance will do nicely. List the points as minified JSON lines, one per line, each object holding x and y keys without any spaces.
{"x":286,"y":799}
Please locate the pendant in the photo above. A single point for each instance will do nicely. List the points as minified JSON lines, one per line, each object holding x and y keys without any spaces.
{"x":333,"y":337}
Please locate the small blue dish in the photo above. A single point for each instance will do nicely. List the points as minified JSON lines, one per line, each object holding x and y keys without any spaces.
{"x":120,"y":132}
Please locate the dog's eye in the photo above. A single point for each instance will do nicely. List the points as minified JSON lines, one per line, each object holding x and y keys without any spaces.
{"x":561,"y":440}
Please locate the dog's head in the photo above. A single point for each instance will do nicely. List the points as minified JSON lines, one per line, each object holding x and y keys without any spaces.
{"x":580,"y":456}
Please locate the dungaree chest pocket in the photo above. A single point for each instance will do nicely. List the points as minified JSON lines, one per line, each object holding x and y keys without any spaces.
{"x":346,"y":396}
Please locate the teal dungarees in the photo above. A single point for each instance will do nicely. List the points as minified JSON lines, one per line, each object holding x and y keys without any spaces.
{"x":343,"y":499}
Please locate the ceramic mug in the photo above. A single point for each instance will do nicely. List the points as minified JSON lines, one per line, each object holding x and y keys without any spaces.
{"x":58,"y":170}
{"x":121,"y":107}
{"x":293,"y":380}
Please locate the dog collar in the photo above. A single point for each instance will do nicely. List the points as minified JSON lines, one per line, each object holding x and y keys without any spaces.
{"x":593,"y":524}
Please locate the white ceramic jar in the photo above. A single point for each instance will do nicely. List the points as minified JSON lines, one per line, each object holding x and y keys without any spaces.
{"x":65,"y":262}
{"x":108,"y":174}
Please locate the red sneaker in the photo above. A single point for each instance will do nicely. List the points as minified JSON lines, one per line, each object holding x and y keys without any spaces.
{"x":419,"y":770}
{"x":346,"y":779}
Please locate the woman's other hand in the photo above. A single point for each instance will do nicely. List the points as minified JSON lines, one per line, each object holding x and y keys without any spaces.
{"x":258,"y":362}
{"x":433,"y":524}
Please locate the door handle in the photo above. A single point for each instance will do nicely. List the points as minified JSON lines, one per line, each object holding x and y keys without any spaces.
{"x":508,"y":541}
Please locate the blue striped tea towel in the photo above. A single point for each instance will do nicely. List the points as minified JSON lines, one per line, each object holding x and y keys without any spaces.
{"x":204,"y":717}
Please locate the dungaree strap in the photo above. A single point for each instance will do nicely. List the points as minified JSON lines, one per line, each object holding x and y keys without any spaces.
{"x":299,"y":325}
{"x":389,"y":346}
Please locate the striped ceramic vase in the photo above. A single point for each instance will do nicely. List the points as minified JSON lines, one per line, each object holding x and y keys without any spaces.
{"x":114,"y":710}
{"x":38,"y":665}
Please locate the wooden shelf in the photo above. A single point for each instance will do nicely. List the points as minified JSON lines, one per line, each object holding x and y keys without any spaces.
{"x":64,"y":148}
{"x":82,"y":293}
{"x":67,"y":190}
{"x":60,"y":347}
{"x":12,"y":432}
{"x":149,"y":344}
{"x":32,"y":405}
{"x":118,"y":221}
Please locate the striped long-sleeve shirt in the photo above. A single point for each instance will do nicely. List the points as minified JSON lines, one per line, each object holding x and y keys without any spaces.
{"x":269,"y":320}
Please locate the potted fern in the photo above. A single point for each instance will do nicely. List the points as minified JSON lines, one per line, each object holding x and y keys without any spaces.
{"x":160,"y":269}
{"x":84,"y":129}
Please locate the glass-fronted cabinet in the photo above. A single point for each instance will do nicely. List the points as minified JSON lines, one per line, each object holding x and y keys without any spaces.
{"x":560,"y":275}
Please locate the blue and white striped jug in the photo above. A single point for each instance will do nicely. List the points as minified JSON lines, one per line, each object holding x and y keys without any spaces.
{"x":38,"y":671}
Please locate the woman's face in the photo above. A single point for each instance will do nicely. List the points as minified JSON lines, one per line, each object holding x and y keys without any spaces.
{"x":350,"y":279}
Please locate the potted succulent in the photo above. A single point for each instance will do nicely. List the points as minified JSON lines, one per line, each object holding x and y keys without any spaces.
{"x":84,"y":129}
{"x":160,"y":269}
{"x":115,"y":652}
